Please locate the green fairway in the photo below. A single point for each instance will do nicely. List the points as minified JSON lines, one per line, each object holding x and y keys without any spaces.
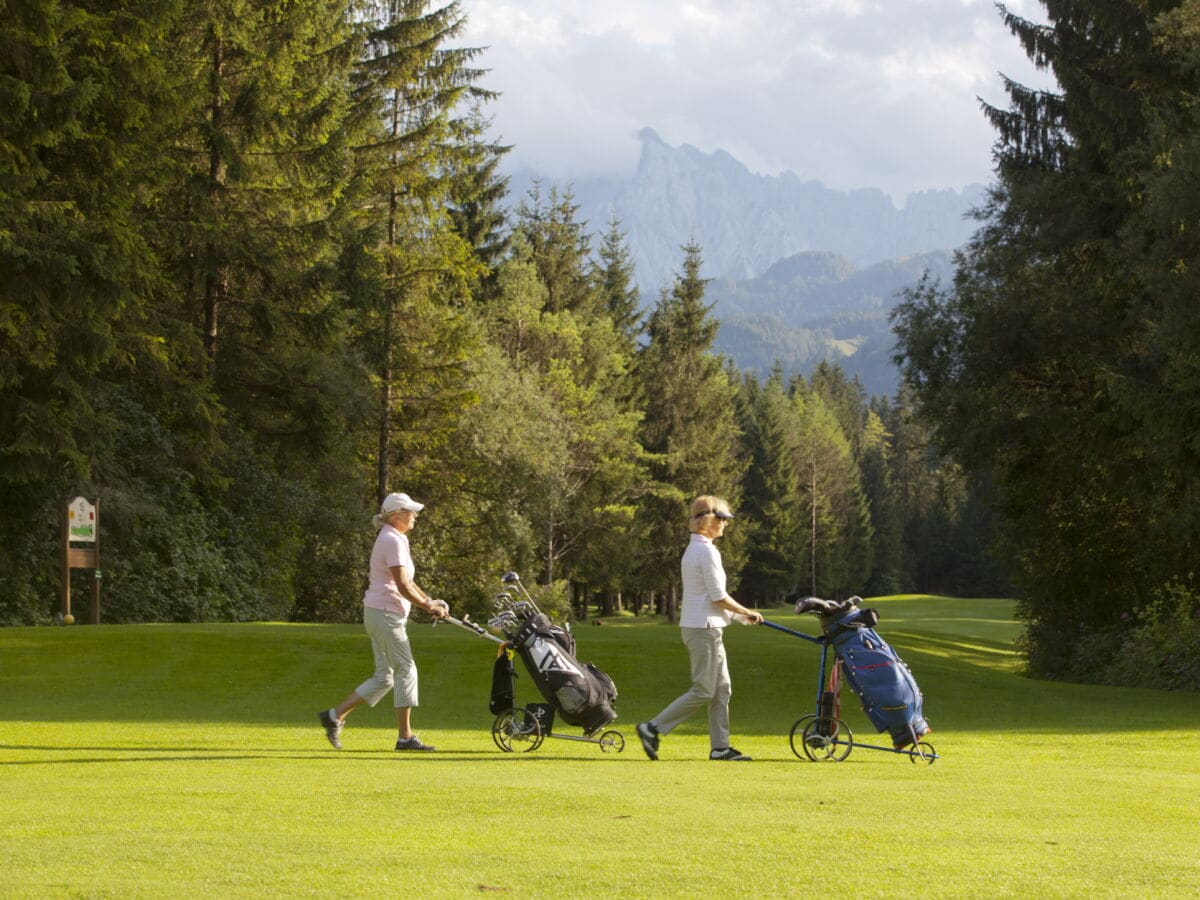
{"x":186,"y":760}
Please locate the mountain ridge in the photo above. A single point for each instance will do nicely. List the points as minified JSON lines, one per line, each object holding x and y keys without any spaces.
{"x":745,"y":222}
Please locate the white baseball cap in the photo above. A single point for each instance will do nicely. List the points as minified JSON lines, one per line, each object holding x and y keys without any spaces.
{"x":396,"y":502}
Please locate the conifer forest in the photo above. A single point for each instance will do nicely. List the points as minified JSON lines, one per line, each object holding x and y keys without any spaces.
{"x":259,"y":266}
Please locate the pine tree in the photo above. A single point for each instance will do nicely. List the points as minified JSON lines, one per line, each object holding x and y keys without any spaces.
{"x":1024,"y":366}
{"x":613,"y":276}
{"x":689,"y":423}
{"x":773,"y":505}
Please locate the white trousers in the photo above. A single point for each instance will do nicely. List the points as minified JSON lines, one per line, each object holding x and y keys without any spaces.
{"x":710,"y":687}
{"x":394,"y":665}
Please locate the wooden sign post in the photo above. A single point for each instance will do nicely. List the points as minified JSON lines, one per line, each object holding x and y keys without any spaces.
{"x":80,"y":526}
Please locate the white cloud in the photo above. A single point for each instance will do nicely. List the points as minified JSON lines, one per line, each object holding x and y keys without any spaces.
{"x":851,"y":92}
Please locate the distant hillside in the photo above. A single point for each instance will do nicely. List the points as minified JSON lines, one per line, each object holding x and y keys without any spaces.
{"x":746,"y":222}
{"x":811,"y":307}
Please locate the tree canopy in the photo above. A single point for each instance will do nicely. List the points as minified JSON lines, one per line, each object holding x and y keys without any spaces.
{"x":1054,"y":366}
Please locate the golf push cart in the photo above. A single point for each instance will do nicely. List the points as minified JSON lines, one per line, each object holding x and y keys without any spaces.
{"x":877,"y":675}
{"x":578,"y":693}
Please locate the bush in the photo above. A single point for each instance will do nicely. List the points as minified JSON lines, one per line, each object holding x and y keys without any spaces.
{"x":1155,"y":646}
{"x":1163,"y":648}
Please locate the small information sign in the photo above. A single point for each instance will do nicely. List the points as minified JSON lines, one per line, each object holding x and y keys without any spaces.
{"x":80,"y":525}
{"x":81,"y":518}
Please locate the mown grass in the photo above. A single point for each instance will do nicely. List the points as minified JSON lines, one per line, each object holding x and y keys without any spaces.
{"x":172,"y":760}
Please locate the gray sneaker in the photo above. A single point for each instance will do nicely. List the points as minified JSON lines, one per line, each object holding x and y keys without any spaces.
{"x":413,"y":743}
{"x":649,"y":735}
{"x":730,"y":754}
{"x":333,"y":727}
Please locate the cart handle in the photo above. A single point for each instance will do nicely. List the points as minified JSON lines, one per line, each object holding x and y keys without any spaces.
{"x":466,"y":623}
{"x":792,"y":631}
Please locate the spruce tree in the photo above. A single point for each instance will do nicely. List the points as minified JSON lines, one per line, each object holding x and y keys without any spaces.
{"x":581,"y":364}
{"x":838,"y":541}
{"x":613,"y":274}
{"x":561,"y":247}
{"x":689,"y":423}
{"x":95,"y":393}
{"x":1025,"y":365}
{"x":875,"y":458}
{"x":478,"y":192}
{"x":414,"y":87}
{"x":772,"y":505}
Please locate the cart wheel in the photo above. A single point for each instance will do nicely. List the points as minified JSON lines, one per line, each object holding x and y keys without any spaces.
{"x":796,"y":737}
{"x":923,"y":750}
{"x":612,"y":742}
{"x":517,"y":729}
{"x":827,"y":738}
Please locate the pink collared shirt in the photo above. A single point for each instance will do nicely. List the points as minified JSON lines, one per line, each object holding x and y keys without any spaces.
{"x":391,"y":549}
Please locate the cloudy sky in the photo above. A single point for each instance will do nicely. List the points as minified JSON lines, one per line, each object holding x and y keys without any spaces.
{"x":853,"y":93}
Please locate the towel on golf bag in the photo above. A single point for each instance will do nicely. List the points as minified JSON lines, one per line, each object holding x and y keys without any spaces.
{"x":582,"y":694}
{"x":875,"y":672}
{"x":504,"y":694}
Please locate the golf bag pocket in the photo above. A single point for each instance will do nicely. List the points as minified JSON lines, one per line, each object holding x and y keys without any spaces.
{"x":544,"y":713}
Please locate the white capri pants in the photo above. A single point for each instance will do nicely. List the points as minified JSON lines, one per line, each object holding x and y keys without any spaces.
{"x":394,"y":666}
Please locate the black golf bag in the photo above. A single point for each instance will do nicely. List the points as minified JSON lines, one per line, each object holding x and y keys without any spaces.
{"x":582,"y":694}
{"x":875,"y":672}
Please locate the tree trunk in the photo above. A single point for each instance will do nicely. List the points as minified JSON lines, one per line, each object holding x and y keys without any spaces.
{"x":216,"y":275}
{"x":383,"y":463}
{"x":813,"y":497}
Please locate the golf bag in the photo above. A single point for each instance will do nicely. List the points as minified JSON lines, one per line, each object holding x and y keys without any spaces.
{"x":581,"y":693}
{"x":877,"y":675}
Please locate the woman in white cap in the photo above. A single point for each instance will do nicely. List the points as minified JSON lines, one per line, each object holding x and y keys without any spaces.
{"x":707,"y":609}
{"x":386,"y":604}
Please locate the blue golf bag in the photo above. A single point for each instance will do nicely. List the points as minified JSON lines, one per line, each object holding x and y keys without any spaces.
{"x":877,"y":675}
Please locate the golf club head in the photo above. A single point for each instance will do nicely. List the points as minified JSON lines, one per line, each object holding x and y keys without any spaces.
{"x":515,"y":579}
{"x":505,"y":619}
